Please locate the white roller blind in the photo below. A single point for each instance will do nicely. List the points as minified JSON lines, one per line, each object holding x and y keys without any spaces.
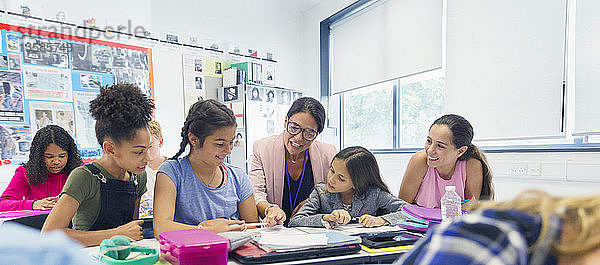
{"x":505,"y":66}
{"x":587,"y":67}
{"x":392,"y":39}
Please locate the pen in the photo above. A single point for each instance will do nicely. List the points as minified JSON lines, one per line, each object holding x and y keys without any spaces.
{"x":465,"y":201}
{"x":251,"y":224}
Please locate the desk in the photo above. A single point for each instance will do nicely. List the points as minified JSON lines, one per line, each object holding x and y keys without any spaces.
{"x":361,"y":257}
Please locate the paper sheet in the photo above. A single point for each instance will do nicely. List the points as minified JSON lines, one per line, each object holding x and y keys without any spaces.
{"x":294,"y":240}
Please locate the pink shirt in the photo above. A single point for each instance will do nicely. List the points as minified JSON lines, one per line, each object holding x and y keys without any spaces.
{"x":20,"y":196}
{"x":433,"y":186}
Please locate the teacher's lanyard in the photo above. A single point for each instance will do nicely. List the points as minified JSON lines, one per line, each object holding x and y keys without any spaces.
{"x":287,"y":175}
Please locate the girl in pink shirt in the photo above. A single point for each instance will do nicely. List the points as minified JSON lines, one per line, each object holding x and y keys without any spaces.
{"x":37,"y":183}
{"x":449,"y":159}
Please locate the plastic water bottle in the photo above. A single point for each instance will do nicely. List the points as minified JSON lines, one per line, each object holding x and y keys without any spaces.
{"x":450,"y":203}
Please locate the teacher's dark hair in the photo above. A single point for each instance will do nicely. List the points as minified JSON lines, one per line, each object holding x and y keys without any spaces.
{"x":204,"y":117}
{"x":310,"y":106}
{"x":462,"y":135}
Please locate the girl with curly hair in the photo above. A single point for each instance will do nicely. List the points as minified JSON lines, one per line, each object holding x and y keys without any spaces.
{"x":102,"y":199}
{"x":37,"y":183}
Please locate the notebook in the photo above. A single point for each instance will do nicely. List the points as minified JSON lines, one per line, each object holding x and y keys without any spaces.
{"x":337,"y":244}
{"x":31,"y":218}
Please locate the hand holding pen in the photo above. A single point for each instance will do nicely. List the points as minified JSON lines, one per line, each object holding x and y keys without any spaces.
{"x":274,"y":216}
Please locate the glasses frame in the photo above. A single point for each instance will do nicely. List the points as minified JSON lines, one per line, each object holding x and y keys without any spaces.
{"x":302,"y":130}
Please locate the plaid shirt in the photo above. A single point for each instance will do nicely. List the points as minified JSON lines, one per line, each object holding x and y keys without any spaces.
{"x":487,"y":237}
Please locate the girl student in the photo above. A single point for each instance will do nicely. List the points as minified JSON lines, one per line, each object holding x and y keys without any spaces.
{"x":37,"y":183}
{"x":156,"y":159}
{"x":354,"y":190}
{"x":449,"y":159}
{"x":101,"y":199}
{"x":199,"y":190}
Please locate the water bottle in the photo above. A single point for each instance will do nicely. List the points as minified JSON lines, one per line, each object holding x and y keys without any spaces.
{"x":450,"y":203}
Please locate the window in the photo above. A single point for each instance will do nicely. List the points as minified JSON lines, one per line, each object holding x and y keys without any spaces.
{"x":422,"y":100}
{"x":369,"y":112}
{"x":514,"y":76}
{"x":367,"y":116}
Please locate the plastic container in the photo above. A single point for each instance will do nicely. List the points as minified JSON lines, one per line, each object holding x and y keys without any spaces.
{"x":193,"y":246}
{"x":450,"y":204}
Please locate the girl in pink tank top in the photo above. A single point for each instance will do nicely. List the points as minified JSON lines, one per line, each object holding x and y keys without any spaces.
{"x":433,"y":186}
{"x":444,"y":162}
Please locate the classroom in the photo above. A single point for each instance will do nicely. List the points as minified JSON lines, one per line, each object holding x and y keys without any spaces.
{"x":497,"y":93}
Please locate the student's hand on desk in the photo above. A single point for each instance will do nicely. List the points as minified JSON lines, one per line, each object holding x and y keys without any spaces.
{"x":275,"y":216}
{"x":45,"y":204}
{"x":219,"y":225}
{"x":339,"y":216}
{"x":371,"y":221}
{"x":132,"y":229}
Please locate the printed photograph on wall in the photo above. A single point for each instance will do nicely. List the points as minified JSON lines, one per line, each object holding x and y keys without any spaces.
{"x":255,"y":93}
{"x":82,"y":56}
{"x":47,"y":83}
{"x":90,"y":81}
{"x":14,"y":142}
{"x":13,"y":42}
{"x":270,"y":95}
{"x":3,"y":61}
{"x":198,"y":82}
{"x":84,"y":123}
{"x":284,"y":97}
{"x":14,"y":62}
{"x":44,"y":113}
{"x":296,"y":95}
{"x":43,"y":51}
{"x":11,"y":97}
{"x":102,"y":59}
{"x":198,"y":65}
{"x":137,"y":77}
{"x":128,"y":58}
{"x":230,"y":93}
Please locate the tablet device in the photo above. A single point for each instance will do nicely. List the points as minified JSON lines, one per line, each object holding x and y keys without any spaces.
{"x":389,"y":239}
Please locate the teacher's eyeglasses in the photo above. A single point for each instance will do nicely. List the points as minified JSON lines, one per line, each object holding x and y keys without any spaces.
{"x":294,"y":129}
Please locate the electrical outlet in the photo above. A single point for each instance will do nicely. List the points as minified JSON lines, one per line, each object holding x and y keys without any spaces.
{"x":534,"y":169}
{"x":518,"y":170}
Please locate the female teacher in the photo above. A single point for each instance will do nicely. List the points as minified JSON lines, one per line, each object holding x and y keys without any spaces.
{"x":286,"y":167}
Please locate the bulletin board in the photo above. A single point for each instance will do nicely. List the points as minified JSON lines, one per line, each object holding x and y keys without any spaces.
{"x":50,"y":78}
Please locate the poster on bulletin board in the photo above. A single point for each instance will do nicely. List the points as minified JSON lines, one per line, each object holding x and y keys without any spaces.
{"x":50,"y":78}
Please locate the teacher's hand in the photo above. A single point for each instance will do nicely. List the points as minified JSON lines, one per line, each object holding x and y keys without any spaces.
{"x":275,"y":216}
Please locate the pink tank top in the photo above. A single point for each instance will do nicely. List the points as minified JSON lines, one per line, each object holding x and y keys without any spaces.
{"x":433,"y":186}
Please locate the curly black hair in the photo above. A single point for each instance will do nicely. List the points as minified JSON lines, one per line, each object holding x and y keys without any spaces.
{"x":204,"y":117}
{"x":119,"y":111}
{"x":52,"y":134}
